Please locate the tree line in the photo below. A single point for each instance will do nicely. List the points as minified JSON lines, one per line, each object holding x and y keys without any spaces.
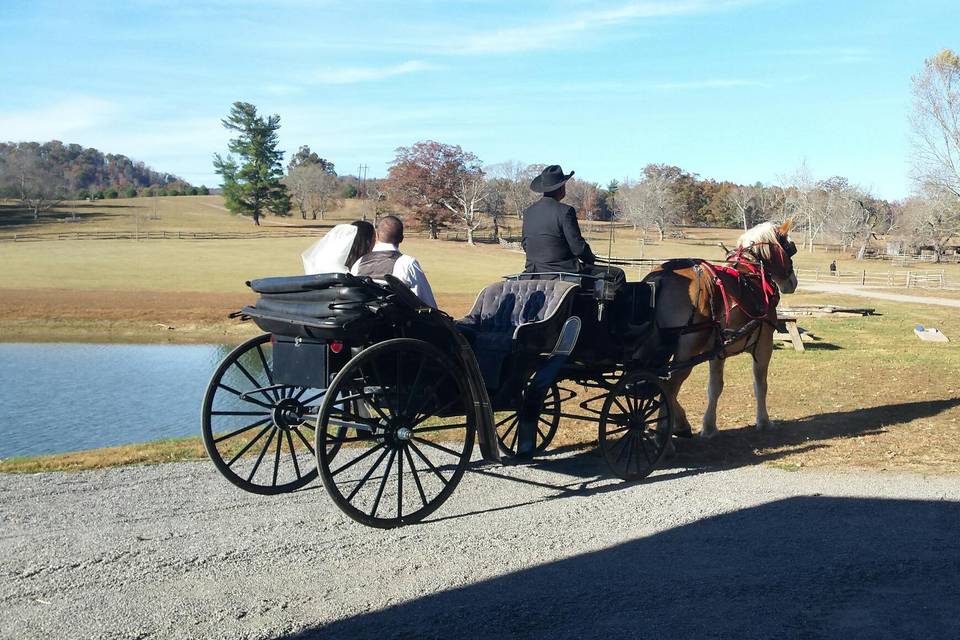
{"x":445,"y":186}
{"x":41,"y":175}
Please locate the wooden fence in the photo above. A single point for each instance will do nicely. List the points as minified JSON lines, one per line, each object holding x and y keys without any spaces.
{"x":892,"y":279}
{"x":160,"y":235}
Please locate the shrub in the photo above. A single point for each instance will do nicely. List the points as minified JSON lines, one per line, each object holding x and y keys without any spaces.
{"x":349,"y":191}
{"x":203,"y":191}
{"x":110,"y":194}
{"x":130,"y":192}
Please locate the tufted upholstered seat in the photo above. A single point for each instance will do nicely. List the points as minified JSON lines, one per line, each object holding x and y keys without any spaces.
{"x":515,"y":315}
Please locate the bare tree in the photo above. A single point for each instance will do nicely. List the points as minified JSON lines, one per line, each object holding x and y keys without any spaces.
{"x":936,"y":123}
{"x":313,"y":189}
{"x":744,"y":200}
{"x":518,"y":175}
{"x":466,"y":200}
{"x":37,"y":184}
{"x":649,"y":202}
{"x":932,"y":219}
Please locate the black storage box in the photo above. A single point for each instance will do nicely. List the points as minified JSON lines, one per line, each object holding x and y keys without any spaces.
{"x":300,"y":362}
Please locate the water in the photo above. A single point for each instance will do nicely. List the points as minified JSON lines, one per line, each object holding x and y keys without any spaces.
{"x":69,"y":397}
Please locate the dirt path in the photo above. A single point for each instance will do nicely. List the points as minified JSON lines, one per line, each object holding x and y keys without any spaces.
{"x":552,"y":550}
{"x":853,"y":290}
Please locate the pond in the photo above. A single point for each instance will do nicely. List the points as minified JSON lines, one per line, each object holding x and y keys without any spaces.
{"x":69,"y":397}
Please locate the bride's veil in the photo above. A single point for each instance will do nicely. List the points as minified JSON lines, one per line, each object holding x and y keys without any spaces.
{"x":329,"y":253}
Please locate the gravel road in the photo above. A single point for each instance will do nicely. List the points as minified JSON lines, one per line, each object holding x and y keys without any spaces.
{"x":552,"y":550}
{"x":867,"y":292}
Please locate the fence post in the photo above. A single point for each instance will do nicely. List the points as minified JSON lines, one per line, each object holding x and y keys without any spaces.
{"x":863,"y":277}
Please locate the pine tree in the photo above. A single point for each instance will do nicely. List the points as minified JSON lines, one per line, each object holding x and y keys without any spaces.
{"x":251,"y":182}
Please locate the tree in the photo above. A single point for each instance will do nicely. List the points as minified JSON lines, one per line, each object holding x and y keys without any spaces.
{"x":936,"y":123}
{"x":744,"y":200}
{"x":203,"y":191}
{"x":932,"y":219}
{"x":304,"y":156}
{"x":129,"y":192}
{"x":425,"y":177}
{"x":34,"y":178}
{"x":468,"y":196}
{"x":251,"y":183}
{"x":516,"y":186}
{"x":649,"y":202}
{"x":312,"y":189}
{"x":110,"y":194}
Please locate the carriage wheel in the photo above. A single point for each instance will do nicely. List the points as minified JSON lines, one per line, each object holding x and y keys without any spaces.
{"x":635,"y":426}
{"x":508,"y":425}
{"x":404,"y":414}
{"x":259,"y":434}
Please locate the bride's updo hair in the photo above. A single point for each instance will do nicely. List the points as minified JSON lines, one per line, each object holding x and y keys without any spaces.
{"x":362,"y":243}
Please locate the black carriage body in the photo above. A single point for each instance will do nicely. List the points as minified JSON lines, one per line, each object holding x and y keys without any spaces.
{"x":333,"y":317}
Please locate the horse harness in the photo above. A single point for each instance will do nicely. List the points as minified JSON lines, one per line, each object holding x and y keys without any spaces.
{"x":744,"y":284}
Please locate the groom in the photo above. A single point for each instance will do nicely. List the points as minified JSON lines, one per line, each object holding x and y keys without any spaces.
{"x":386,"y":258}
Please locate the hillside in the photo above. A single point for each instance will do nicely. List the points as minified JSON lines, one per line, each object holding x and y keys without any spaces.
{"x":76,"y":170}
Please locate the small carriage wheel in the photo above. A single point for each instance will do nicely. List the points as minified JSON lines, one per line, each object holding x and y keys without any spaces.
{"x":405,"y":416}
{"x":259,"y":434}
{"x":508,"y":427}
{"x":635,"y":426}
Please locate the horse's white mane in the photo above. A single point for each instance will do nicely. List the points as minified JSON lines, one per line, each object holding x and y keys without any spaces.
{"x":759,"y":235}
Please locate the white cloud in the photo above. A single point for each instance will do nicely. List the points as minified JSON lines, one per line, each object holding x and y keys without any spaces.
{"x":829,"y":54}
{"x":62,"y":120}
{"x":709,"y":84}
{"x":348,"y":75}
{"x":553,"y":33}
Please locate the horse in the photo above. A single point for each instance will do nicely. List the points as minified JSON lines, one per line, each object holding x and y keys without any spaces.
{"x":708,"y":312}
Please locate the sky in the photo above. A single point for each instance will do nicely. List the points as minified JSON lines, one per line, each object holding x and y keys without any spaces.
{"x":741,"y":90}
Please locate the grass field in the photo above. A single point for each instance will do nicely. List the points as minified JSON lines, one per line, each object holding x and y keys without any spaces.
{"x":868,"y":394}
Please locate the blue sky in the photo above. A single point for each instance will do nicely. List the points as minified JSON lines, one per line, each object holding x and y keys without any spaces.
{"x":740,"y":90}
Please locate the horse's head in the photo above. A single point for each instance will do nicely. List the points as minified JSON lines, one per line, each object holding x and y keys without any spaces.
{"x":771,"y":245}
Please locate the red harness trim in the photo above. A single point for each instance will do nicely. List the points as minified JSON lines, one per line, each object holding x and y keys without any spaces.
{"x":748,"y":268}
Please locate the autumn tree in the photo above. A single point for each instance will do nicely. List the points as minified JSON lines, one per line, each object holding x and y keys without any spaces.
{"x":252,"y":181}
{"x":427,"y":178}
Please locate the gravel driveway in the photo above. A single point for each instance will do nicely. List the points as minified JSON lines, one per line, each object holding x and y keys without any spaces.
{"x":552,"y":550}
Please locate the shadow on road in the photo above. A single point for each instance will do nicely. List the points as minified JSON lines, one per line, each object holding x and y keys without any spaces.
{"x":732,"y":448}
{"x":804,"y":567}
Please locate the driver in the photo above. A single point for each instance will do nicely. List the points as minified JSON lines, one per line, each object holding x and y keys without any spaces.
{"x":551,"y":234}
{"x":386,"y":258}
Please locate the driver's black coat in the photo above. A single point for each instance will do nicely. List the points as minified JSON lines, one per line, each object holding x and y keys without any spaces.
{"x":552,"y":238}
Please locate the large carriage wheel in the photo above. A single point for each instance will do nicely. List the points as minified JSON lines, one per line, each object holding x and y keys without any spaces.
{"x":508,"y":426}
{"x":403,"y":412}
{"x":259,"y":434}
{"x":635,"y":426}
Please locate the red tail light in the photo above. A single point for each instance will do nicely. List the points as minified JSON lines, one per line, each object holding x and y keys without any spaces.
{"x":336,"y":347}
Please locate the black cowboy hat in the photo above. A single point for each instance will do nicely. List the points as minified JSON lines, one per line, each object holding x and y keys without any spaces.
{"x":550,"y":179}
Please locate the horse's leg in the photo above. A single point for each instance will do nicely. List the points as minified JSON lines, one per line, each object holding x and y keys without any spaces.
{"x":714,"y":389}
{"x":681,"y":426}
{"x":761,"y":363}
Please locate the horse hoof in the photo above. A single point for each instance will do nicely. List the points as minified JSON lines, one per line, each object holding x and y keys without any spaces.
{"x":764,"y":425}
{"x":707,"y":434}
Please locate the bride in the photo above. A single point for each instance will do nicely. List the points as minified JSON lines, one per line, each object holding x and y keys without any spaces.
{"x":339,"y":249}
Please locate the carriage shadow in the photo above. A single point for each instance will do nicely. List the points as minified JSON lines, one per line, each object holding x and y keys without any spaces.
{"x":732,"y":448}
{"x":804,"y":567}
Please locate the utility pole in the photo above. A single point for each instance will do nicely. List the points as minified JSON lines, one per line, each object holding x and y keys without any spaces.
{"x":362,"y":187}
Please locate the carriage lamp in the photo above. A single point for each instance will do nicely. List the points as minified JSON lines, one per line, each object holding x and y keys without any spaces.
{"x":336,"y":346}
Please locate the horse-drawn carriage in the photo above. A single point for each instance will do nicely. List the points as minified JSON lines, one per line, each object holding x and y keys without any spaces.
{"x":359,"y":382}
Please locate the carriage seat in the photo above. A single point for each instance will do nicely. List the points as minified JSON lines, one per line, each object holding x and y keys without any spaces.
{"x":515,"y":315}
